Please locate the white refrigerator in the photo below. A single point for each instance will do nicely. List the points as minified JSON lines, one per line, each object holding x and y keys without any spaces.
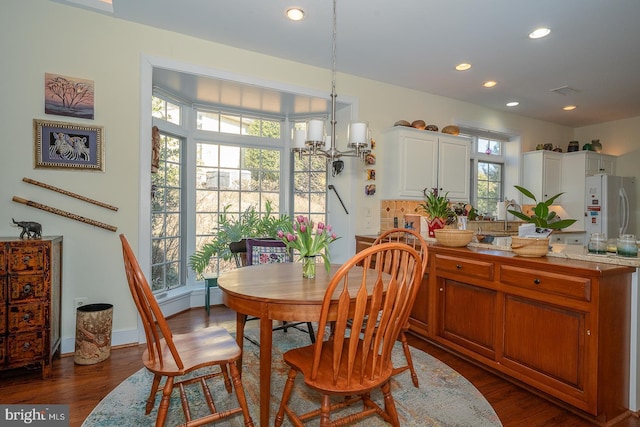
{"x":610,"y":205}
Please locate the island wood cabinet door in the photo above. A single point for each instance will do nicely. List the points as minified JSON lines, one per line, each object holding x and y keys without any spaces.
{"x":547,"y":331}
{"x":469,"y":284}
{"x":550,"y":346}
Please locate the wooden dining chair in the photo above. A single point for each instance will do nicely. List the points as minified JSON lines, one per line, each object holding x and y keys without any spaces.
{"x":173,"y":356}
{"x":268,"y":251}
{"x":355,"y":357}
{"x":416,"y":241}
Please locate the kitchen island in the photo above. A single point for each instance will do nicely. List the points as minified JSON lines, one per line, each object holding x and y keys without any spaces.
{"x":558,"y":325}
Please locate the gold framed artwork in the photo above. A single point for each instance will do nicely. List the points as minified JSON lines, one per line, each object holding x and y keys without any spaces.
{"x":61,"y":145}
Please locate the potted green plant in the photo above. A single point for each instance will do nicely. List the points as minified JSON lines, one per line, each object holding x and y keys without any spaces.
{"x":232,"y":233}
{"x":545,"y":221}
{"x":542,"y":216}
{"x":437,"y":209}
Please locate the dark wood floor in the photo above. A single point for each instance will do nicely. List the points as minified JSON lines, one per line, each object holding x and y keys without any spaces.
{"x":82,"y":387}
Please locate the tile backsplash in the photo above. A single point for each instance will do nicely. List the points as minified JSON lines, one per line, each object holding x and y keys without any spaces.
{"x":392,"y":215}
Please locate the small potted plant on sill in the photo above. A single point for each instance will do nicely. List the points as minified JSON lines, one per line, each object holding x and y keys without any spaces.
{"x":233,"y":232}
{"x":437,"y":209}
{"x":545,"y":221}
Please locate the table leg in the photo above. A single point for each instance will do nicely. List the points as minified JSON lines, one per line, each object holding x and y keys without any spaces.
{"x":266,"y":332}
{"x":240,"y":321}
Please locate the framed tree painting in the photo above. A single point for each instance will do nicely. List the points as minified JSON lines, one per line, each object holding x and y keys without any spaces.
{"x":68,"y":145}
{"x":68,"y":96}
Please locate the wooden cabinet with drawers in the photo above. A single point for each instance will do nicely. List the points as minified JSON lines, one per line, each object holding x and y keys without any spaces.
{"x":30,"y":302}
{"x":556,"y":326}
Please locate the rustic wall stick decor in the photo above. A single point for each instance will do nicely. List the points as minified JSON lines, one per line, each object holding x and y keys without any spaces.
{"x":64,"y":213}
{"x":68,"y":193}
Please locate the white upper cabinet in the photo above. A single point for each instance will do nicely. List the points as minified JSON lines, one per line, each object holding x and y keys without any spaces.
{"x":413,"y":160}
{"x":596,"y":163}
{"x":542,"y":174}
{"x":454,"y":168}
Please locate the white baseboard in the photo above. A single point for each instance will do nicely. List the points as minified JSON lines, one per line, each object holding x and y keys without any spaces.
{"x":128,"y":337}
{"x":171,"y":302}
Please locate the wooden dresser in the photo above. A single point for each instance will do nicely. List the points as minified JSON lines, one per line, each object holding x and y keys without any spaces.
{"x":552,"y":325}
{"x":30,"y":295}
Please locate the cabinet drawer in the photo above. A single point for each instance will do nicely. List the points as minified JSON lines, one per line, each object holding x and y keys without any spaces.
{"x":466,"y":267}
{"x":25,"y":317}
{"x":27,"y":287}
{"x":25,"y":347}
{"x":572,"y":287}
{"x":27,"y":259}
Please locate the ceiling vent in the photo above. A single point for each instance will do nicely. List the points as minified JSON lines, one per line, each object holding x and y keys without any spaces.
{"x":565,"y":90}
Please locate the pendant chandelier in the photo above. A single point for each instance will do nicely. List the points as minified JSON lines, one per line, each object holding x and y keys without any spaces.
{"x":313,"y":142}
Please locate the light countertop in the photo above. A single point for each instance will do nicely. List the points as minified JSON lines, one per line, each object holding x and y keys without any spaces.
{"x":567,"y":251}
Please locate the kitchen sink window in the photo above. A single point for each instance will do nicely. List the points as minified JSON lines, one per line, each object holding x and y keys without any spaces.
{"x":487,"y":170}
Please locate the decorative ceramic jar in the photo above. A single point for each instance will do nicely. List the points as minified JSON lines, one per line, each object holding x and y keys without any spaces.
{"x":596,"y":146}
{"x":573,"y":146}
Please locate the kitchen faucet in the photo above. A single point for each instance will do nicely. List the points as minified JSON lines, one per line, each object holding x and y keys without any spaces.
{"x":509,"y":203}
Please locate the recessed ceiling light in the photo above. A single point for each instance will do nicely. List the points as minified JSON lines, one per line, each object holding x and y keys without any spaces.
{"x":569,"y":107}
{"x":513,"y":104}
{"x":463,"y":67}
{"x":538,"y":33}
{"x":295,"y":14}
{"x":489,"y":83}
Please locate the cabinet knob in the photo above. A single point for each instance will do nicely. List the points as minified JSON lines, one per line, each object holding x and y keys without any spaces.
{"x":441,"y":289}
{"x":536,"y":281}
{"x":26,"y":259}
{"x":26,"y":317}
{"x":26,"y":346}
{"x":458,"y":266}
{"x":26,"y":289}
{"x":588,"y":331}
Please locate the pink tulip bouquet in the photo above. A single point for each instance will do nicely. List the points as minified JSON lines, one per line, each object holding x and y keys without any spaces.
{"x":309,"y":239}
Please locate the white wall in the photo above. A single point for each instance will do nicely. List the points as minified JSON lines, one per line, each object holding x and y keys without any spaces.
{"x":41,"y":36}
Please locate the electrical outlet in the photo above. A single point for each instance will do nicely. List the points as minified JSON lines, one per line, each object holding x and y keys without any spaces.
{"x":78,"y":302}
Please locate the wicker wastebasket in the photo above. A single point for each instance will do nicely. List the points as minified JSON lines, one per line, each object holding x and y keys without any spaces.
{"x":93,"y":333}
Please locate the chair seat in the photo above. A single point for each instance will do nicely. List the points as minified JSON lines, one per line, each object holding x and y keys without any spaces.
{"x":301,"y":359}
{"x":197,"y":350}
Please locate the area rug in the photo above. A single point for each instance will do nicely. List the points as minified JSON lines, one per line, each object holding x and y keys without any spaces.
{"x":444,"y":398}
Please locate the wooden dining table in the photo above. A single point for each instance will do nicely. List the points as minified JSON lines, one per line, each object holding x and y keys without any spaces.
{"x":276,"y":292}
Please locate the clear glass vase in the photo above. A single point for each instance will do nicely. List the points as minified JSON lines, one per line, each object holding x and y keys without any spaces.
{"x":309,"y":267}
